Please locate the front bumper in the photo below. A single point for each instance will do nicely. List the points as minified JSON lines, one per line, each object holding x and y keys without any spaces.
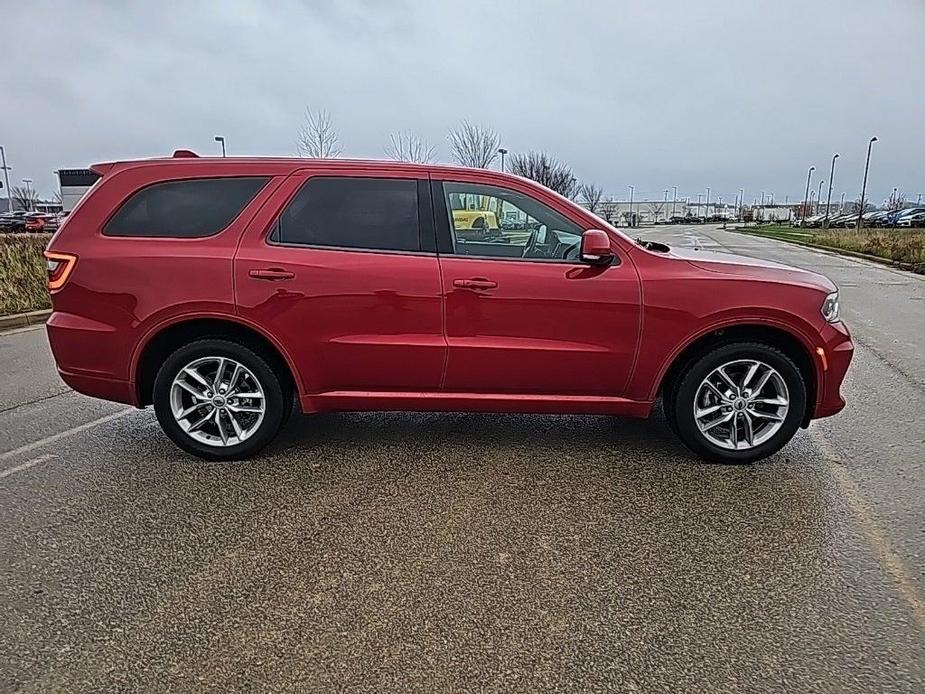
{"x":833,"y":358}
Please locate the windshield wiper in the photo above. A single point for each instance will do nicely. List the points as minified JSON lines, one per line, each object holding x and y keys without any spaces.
{"x":653,"y":246}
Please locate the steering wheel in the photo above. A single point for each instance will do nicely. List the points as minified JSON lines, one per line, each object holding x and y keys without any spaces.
{"x":531,"y":244}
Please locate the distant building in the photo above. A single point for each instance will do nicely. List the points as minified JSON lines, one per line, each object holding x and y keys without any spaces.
{"x":74,"y":183}
{"x":772,"y":213}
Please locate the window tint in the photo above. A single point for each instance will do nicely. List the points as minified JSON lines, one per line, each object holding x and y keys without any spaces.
{"x":184,"y":209}
{"x":369,"y":213}
{"x":488,"y":221}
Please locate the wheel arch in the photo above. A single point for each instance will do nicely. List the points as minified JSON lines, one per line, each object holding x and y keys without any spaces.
{"x":788,"y":341}
{"x":162,"y":340}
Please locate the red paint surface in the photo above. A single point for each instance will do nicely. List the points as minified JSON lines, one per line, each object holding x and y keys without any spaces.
{"x":368,"y":330}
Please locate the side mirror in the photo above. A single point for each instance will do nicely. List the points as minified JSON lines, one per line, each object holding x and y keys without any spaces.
{"x":595,"y":248}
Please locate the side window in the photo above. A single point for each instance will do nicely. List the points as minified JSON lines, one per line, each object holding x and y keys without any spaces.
{"x":364,"y":213}
{"x":493,"y":222}
{"x":191,"y":208}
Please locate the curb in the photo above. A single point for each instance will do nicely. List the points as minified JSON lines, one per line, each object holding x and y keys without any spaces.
{"x":838,"y":251}
{"x":21,"y":320}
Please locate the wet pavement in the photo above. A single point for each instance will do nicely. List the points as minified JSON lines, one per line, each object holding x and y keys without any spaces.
{"x":430,"y":552}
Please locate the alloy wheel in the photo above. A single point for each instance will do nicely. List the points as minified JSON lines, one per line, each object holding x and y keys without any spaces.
{"x":217,"y":401}
{"x":741,"y":404}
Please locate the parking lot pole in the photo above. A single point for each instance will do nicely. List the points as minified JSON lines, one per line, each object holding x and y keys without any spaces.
{"x":828,"y":202}
{"x":674,"y":198}
{"x":864,"y":185}
{"x":806,"y":196}
{"x":6,"y":177}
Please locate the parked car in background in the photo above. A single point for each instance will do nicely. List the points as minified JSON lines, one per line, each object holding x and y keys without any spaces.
{"x":13,"y":221}
{"x":39,"y":222}
{"x":897,"y":216}
{"x":916,"y":219}
{"x":841,"y":220}
{"x":227,"y":291}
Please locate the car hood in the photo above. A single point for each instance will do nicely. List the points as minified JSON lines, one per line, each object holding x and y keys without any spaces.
{"x":744,"y":266}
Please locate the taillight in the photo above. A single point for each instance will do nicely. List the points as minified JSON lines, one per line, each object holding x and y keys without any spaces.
{"x":60,"y":266}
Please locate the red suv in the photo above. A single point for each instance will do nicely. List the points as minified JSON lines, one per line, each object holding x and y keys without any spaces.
{"x":225,"y":291}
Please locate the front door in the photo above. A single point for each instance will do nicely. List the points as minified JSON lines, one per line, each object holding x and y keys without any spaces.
{"x":345,"y":277}
{"x":523,"y":314}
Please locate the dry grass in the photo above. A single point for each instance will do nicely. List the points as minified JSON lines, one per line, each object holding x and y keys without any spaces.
{"x":22,"y":273}
{"x":902,"y":245}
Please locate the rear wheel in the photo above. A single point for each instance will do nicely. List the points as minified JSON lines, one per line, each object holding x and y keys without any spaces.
{"x":219,"y":400}
{"x":739,"y":403}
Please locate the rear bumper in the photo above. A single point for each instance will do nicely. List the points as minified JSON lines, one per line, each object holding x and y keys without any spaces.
{"x":90,"y":357}
{"x":838,"y":349}
{"x":103,"y":388}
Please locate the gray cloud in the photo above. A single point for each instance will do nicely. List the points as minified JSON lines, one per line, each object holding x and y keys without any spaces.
{"x":718,"y":93}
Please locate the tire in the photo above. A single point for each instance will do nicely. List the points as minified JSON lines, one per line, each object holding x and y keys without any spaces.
{"x":256,"y":377}
{"x":771,"y":425}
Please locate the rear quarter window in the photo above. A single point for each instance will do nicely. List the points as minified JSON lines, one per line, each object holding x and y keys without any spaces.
{"x":186,"y":209}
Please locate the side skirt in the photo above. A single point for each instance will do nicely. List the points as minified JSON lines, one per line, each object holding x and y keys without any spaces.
{"x":350,"y":400}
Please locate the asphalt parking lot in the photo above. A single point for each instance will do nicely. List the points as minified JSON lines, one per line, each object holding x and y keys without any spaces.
{"x":424,"y":552}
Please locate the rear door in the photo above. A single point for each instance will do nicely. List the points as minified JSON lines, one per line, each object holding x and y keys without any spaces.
{"x":342,"y":271}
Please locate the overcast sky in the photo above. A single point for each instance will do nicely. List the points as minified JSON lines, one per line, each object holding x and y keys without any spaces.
{"x":719,"y":93}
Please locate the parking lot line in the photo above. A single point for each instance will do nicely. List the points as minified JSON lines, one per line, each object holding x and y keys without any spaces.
{"x":888,"y":558}
{"x":26,"y":465}
{"x":64,"y":434}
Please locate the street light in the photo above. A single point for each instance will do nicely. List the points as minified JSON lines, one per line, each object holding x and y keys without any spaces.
{"x":741,"y":203}
{"x":502,"y":152}
{"x":809,"y":175}
{"x":674,"y":198}
{"x":28,"y":182}
{"x":864,"y":185}
{"x":819,"y":196}
{"x":632,"y":191}
{"x":219,"y":138}
{"x":828,"y":202}
{"x":841,"y":204}
{"x":708,"y":202}
{"x":6,"y":176}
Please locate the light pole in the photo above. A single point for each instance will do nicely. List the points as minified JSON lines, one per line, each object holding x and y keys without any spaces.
{"x":674,"y":198}
{"x":28,"y":182}
{"x":864,"y":185}
{"x":828,"y":202}
{"x":809,"y":175}
{"x":708,"y":202}
{"x":6,"y":176}
{"x":894,"y":206}
{"x":502,"y":152}
{"x":918,"y":200}
{"x":819,"y":196}
{"x":741,"y":204}
{"x":219,"y":138}
{"x":762,"y":198}
{"x":632,"y":192}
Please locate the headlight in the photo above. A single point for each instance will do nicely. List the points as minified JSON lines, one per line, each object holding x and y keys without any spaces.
{"x":830,"y":308}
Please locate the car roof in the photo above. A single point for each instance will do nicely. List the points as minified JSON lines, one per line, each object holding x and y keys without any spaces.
{"x":285,"y":164}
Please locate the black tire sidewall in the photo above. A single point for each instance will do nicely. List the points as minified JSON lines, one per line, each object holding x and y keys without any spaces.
{"x":684,"y":394}
{"x":276,"y":405}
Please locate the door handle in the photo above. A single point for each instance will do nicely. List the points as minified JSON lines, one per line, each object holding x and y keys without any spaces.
{"x":271,"y":273}
{"x":475,"y":283}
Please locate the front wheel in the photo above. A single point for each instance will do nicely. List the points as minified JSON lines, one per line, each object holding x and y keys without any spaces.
{"x":739,"y":403}
{"x":219,"y":400}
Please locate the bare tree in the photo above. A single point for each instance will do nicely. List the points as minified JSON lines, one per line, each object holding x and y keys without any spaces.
{"x":545,"y":170}
{"x":897,"y":201}
{"x":24,"y":197}
{"x":474,"y":145}
{"x":406,"y":146}
{"x":656,"y":209}
{"x":317,"y":136}
{"x":592,"y":195}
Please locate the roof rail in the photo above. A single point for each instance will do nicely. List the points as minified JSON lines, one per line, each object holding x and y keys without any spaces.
{"x":185,"y":154}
